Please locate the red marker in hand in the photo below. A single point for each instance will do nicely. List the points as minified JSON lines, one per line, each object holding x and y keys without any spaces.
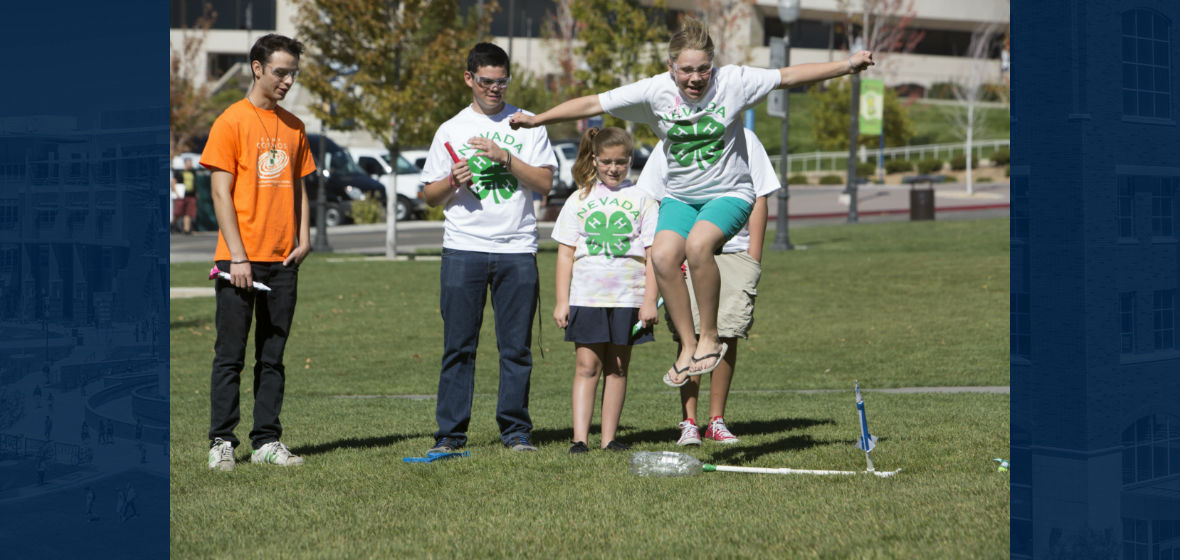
{"x":455,"y":158}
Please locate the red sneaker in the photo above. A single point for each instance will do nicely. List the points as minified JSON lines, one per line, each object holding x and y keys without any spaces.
{"x":718,"y":432}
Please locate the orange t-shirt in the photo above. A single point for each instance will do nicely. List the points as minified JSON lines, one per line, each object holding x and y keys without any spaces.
{"x":241,"y":143}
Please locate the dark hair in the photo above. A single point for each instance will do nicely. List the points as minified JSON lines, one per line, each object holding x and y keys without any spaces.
{"x":487,"y":54}
{"x":266,"y":45}
{"x":593,"y":142}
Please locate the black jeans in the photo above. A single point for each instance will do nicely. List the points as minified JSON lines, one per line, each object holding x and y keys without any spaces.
{"x":235,"y":308}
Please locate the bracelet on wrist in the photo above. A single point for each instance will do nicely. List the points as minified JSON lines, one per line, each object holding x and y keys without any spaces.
{"x":244,"y":261}
{"x":507,"y":160}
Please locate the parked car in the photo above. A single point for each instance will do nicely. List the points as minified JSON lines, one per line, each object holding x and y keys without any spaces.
{"x":563,"y":179}
{"x":346,"y":182}
{"x":416,"y":157}
{"x":567,"y":154}
{"x":375,"y":161}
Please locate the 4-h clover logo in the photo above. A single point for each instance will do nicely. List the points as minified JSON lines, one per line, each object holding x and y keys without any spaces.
{"x":700,"y":143}
{"x":608,"y":236}
{"x":491,"y":179}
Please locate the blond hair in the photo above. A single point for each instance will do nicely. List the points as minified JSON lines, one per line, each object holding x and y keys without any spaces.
{"x":593,"y":142}
{"x":693,"y":35}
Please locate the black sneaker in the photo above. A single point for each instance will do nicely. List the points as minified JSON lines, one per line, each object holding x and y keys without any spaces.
{"x":614,"y":445}
{"x":579,"y":447}
{"x":445,"y":445}
{"x":520,"y":442}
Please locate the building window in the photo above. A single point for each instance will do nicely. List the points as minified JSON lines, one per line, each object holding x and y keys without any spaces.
{"x":1126,"y":207}
{"x":1163,"y":319}
{"x":230,"y":14}
{"x":9,"y":213}
{"x":1020,"y":331}
{"x":1135,"y":539}
{"x":1146,"y":65}
{"x":1163,"y":207}
{"x":46,"y":217}
{"x":8,"y":256}
{"x":1127,"y":322}
{"x":1150,"y":449}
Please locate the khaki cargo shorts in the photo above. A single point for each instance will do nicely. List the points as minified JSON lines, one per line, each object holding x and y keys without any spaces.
{"x":739,"y":286}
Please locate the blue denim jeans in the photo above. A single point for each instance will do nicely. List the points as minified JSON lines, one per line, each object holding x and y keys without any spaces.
{"x":465,"y":277}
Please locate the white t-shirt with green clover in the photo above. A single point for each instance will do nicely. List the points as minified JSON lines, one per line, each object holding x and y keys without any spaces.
{"x":609,"y":230}
{"x":496,"y":214}
{"x":655,"y":175}
{"x":703,"y":140}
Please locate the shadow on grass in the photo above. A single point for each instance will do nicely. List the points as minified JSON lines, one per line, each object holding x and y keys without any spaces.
{"x":746,"y":454}
{"x":564,"y":435}
{"x":757,"y":427}
{"x":356,"y":443}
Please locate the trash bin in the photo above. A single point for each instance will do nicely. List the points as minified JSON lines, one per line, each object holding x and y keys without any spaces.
{"x":921,"y":204}
{"x":921,"y":200}
{"x":206,"y":216}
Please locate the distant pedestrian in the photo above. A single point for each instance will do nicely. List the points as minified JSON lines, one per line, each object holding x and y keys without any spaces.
{"x":85,"y":433}
{"x":90,"y":516}
{"x":41,"y":470}
{"x":37,"y":395}
{"x":48,"y":427}
{"x":129,"y":510}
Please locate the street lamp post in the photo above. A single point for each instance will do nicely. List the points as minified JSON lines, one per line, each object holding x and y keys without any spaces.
{"x":788,"y":12}
{"x":321,"y":200}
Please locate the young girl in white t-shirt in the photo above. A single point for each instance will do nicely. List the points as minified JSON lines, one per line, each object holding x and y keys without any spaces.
{"x":605,"y":280}
{"x":696,"y":109}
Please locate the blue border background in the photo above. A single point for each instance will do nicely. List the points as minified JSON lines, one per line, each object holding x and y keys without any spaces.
{"x":84,"y":280}
{"x":1095,"y":373}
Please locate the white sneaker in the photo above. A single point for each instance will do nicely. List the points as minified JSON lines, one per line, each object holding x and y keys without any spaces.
{"x":689,"y":433}
{"x":221,"y":455}
{"x":275,"y":453}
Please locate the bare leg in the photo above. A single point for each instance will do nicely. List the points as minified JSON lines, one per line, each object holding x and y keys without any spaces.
{"x":689,"y":393}
{"x":588,"y":361}
{"x":614,"y":389}
{"x":720,"y":380}
{"x":667,"y":255}
{"x":706,"y":285}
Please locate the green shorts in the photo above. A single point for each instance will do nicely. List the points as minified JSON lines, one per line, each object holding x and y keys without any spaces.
{"x":728,"y":213}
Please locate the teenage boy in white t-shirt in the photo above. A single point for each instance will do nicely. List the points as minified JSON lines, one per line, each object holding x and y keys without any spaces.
{"x":740,"y":265}
{"x":696,"y":110}
{"x":489,"y":240}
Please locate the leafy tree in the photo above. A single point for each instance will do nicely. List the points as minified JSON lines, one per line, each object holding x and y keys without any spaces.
{"x":830,"y":110}
{"x":621,"y":42}
{"x":190,"y":112}
{"x":377,"y":61}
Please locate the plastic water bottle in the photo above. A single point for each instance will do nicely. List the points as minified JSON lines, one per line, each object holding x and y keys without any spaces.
{"x":663,"y":463}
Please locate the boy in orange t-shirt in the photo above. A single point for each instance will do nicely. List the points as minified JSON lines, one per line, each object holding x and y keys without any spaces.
{"x":258,"y":154}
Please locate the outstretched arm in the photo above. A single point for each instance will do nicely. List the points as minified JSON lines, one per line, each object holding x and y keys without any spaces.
{"x":803,"y":74}
{"x":572,"y":110}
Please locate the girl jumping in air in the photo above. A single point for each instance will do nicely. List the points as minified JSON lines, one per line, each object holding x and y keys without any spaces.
{"x":605,"y":281}
{"x":696,"y":110}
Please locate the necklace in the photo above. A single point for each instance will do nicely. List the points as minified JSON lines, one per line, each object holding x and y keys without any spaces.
{"x":273,"y":140}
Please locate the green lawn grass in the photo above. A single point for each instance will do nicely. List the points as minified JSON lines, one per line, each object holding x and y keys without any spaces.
{"x":893,"y":305}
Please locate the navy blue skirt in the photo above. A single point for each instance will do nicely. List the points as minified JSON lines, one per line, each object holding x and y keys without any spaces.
{"x":596,"y":325}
